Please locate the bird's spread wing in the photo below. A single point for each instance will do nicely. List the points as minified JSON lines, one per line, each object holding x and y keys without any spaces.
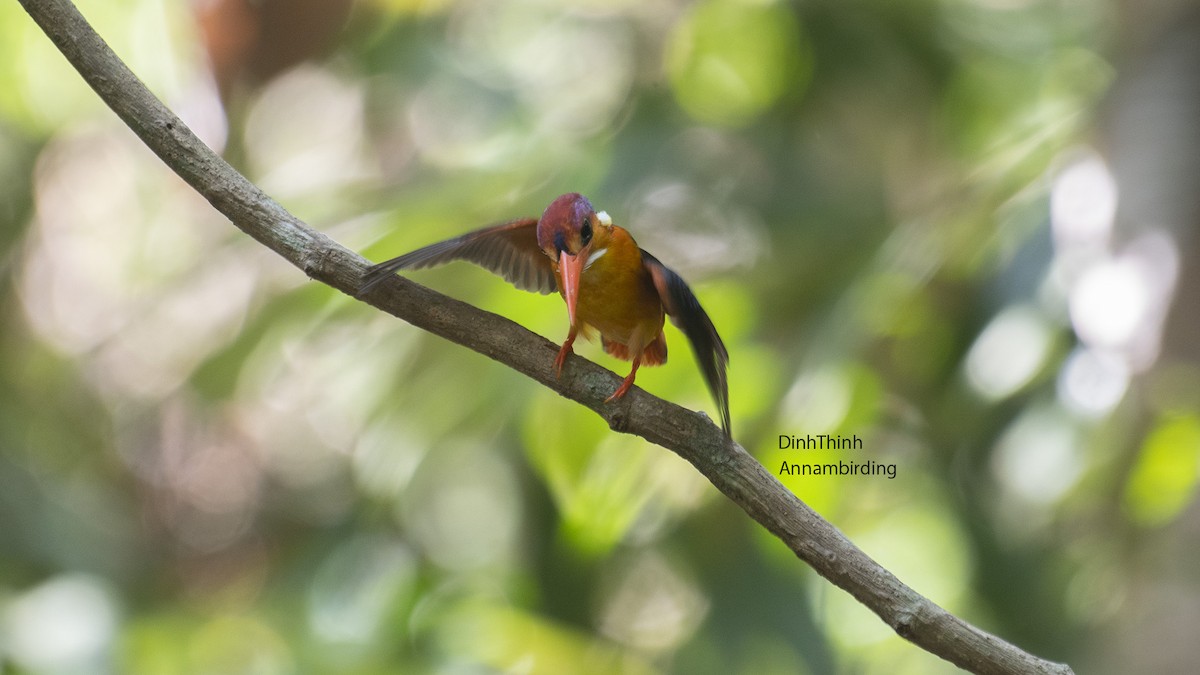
{"x":508,"y":249}
{"x":686,"y":313}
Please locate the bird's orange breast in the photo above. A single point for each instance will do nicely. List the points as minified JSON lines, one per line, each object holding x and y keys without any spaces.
{"x":617,"y":295}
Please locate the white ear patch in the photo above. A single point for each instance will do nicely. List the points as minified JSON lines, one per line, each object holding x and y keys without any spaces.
{"x":604,"y":218}
{"x":594,"y":257}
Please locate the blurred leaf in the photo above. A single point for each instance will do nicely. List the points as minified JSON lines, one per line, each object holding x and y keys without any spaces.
{"x":156,"y":645}
{"x":1164,"y":479}
{"x":597,"y":478}
{"x":602,"y":482}
{"x":508,"y":639}
{"x":729,"y":60}
{"x":233,"y":645}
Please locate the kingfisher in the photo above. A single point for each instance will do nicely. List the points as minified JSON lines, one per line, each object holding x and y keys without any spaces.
{"x":610,"y":285}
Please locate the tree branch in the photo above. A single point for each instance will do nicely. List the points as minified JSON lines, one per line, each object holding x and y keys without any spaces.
{"x":689,"y":434}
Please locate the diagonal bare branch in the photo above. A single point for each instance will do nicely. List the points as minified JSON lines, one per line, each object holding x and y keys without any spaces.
{"x":689,"y":434}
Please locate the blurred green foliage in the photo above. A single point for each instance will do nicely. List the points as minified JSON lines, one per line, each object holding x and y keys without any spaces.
{"x":210,"y":465}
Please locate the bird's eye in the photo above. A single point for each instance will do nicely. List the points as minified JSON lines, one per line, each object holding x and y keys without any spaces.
{"x":585,"y":233}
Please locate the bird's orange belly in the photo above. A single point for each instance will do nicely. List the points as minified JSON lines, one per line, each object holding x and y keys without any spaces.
{"x":622,"y":305}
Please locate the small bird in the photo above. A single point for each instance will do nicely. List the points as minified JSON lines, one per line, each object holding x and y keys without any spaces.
{"x":608,"y":283}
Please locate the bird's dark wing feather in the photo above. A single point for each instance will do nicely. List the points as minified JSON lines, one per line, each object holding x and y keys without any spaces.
{"x":508,"y":249}
{"x":686,"y":313}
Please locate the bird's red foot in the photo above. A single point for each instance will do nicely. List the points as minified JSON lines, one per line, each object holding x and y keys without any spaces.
{"x":621,"y":391}
{"x":561,"y":359}
{"x":624,"y":388}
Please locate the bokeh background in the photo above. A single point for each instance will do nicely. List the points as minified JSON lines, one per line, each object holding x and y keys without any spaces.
{"x":961,"y":229}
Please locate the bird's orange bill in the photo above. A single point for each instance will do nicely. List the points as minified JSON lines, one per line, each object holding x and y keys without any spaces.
{"x":570,"y":268}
